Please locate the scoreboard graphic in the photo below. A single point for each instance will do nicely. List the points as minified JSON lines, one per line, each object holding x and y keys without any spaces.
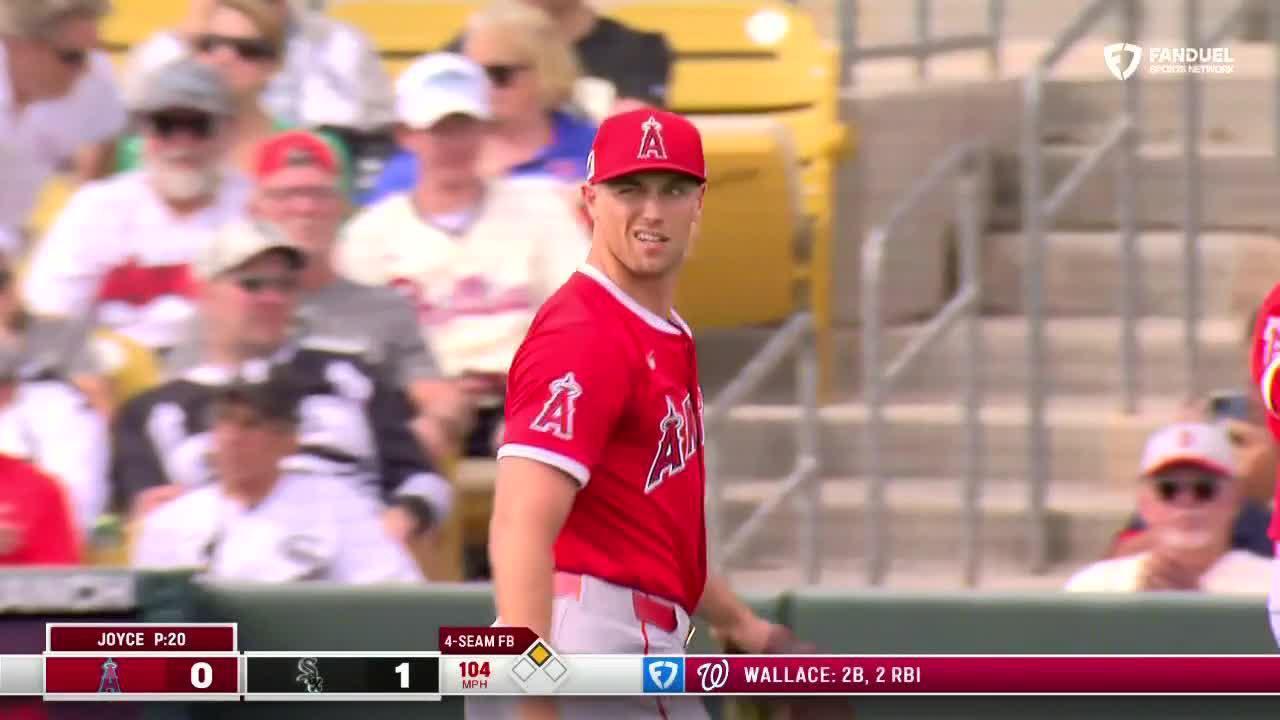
{"x":85,"y":662}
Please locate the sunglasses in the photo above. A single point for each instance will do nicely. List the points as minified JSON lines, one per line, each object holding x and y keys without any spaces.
{"x":198,"y":125}
{"x":256,"y":284}
{"x":503,"y":75}
{"x":253,"y":49}
{"x":1202,"y":489}
{"x":71,"y":57}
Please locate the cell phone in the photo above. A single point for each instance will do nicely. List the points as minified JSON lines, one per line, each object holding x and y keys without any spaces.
{"x":1231,"y":404}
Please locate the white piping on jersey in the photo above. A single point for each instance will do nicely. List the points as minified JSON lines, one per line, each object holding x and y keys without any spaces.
{"x":650,"y":317}
{"x":564,"y":463}
{"x":1268,"y":382}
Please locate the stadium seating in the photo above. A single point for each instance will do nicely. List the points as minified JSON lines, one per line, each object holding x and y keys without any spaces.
{"x":404,"y":30}
{"x":132,"y":21}
{"x":742,"y":269}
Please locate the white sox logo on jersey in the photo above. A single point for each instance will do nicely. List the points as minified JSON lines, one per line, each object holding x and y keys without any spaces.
{"x":681,"y":436}
{"x":652,"y":146}
{"x":556,"y":416}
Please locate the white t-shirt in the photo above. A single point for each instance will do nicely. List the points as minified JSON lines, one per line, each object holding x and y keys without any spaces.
{"x":310,"y":527}
{"x":1238,"y":571}
{"x":117,"y":241}
{"x":476,"y":291}
{"x":45,"y":135}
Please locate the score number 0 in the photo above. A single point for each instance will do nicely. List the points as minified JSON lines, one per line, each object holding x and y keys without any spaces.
{"x":201,"y":675}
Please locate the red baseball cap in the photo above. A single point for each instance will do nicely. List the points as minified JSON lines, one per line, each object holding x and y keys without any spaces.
{"x":295,"y":147}
{"x":646,"y":140}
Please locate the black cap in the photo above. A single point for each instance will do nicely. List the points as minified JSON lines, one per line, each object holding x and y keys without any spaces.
{"x":271,"y":390}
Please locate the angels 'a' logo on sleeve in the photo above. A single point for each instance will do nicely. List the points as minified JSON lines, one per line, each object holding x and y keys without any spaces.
{"x":1271,"y":341}
{"x":557,"y":413}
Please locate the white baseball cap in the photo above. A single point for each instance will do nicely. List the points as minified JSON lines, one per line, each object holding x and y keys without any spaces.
{"x":438,"y":85}
{"x":240,"y":241}
{"x":1191,"y":443}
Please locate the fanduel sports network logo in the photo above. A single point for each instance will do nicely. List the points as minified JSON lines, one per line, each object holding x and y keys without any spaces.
{"x":664,"y":674}
{"x":1113,"y":54}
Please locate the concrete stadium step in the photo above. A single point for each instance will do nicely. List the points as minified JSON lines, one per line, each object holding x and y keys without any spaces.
{"x":1090,"y":443}
{"x":1084,"y":352}
{"x":1084,"y":272}
{"x":1238,"y":188}
{"x":927,"y":522}
{"x":1084,"y":356}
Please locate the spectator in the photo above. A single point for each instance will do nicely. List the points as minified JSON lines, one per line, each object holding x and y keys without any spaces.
{"x":299,"y":189}
{"x":262,"y":520}
{"x":35,"y":522}
{"x":531,"y":71}
{"x":121,"y":246}
{"x":243,"y":40}
{"x":476,"y":256}
{"x":1188,"y":497}
{"x":1243,"y":416}
{"x":331,"y":77}
{"x":625,"y":68}
{"x":354,"y":423}
{"x":57,"y":99}
{"x":45,"y":418}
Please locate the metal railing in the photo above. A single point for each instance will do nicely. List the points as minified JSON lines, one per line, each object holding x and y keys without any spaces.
{"x":796,"y":337}
{"x":1039,"y":210}
{"x":1193,"y":123}
{"x":968,"y":165}
{"x":925,"y":45}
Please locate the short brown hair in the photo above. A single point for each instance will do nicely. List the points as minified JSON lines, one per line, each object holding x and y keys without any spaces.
{"x":264,"y":16}
{"x":34,"y":18}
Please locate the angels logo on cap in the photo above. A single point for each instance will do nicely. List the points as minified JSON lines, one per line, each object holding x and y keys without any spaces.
{"x":652,"y":146}
{"x":646,"y":140}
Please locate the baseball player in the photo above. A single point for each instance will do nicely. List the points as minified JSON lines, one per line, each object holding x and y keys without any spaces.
{"x":1264,"y":362}
{"x":598,"y":537}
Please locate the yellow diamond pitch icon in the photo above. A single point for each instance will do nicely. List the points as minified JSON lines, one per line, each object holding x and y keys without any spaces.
{"x":539,"y":654}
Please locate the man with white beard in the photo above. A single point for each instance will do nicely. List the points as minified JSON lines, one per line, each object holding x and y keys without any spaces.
{"x":121,"y":247}
{"x":1188,"y":496}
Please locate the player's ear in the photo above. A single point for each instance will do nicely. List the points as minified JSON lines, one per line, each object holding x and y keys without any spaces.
{"x":589,"y":200}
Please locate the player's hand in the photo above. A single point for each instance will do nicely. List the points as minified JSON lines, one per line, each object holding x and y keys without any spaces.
{"x":756,"y":635}
{"x":1162,"y":571}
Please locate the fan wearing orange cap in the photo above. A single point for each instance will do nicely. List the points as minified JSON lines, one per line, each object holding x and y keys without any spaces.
{"x":598,"y":537}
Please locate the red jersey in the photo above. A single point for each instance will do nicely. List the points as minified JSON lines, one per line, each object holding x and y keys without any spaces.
{"x":607,"y":392}
{"x":1264,"y":363}
{"x":35,"y":523}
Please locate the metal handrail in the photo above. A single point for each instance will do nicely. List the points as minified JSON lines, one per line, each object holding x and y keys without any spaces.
{"x":1038,"y":212}
{"x":925,"y":45}
{"x":1193,"y":122}
{"x":964,"y":163}
{"x":796,"y":336}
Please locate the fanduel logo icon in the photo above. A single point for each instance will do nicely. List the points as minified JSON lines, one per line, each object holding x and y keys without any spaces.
{"x":1113,"y":53}
{"x":664,"y":674}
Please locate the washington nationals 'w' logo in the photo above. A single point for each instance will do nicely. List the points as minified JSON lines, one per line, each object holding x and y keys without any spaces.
{"x":652,"y":146}
{"x":557,"y":414}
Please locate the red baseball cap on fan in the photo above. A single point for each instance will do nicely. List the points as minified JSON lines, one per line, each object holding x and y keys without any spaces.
{"x":295,"y":147}
{"x":646,"y":140}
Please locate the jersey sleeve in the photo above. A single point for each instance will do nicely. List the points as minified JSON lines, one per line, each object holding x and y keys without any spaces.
{"x":565,"y":394}
{"x":1264,"y":351}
